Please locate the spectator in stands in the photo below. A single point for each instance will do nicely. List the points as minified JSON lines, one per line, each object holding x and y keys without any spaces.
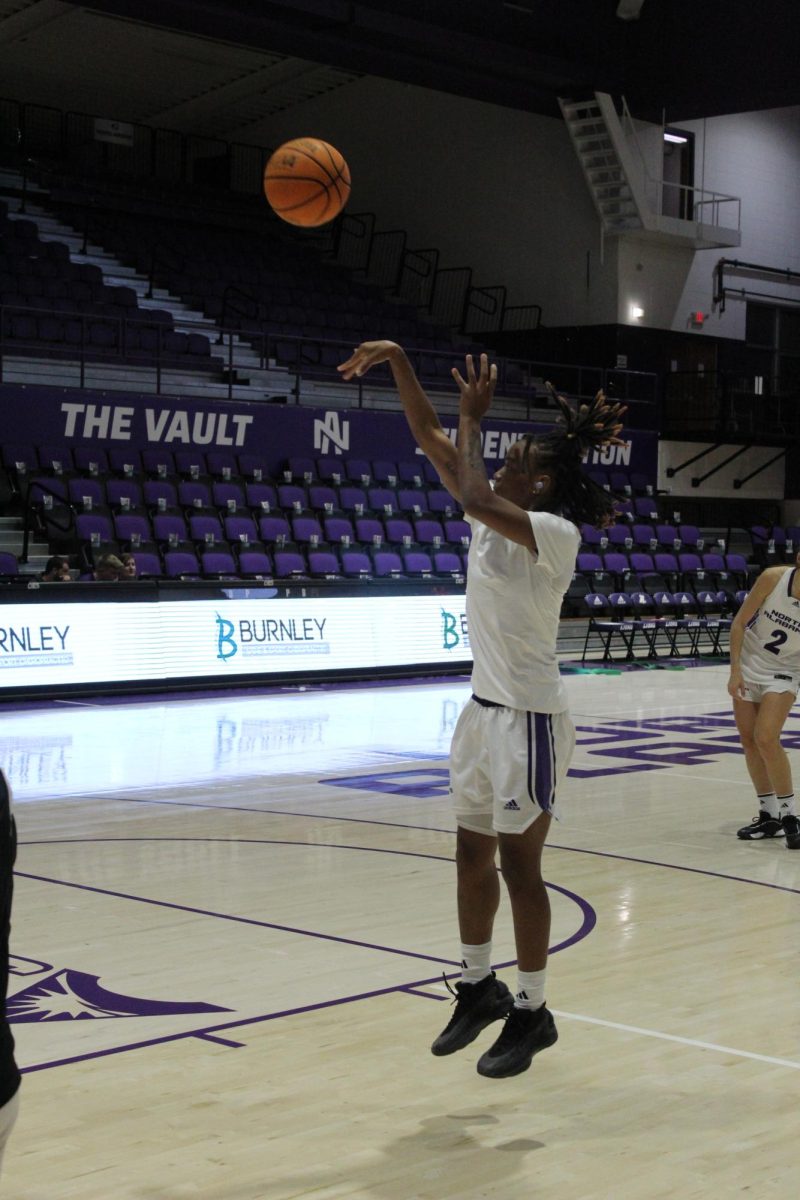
{"x":128,"y":565}
{"x":108,"y":569}
{"x":56,"y":570}
{"x":514,"y":738}
{"x":9,"y":1072}
{"x":763,"y":682}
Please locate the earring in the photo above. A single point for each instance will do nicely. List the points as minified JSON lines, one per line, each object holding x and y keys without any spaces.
{"x":538,"y":486}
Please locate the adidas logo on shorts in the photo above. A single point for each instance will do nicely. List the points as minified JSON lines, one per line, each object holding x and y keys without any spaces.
{"x":511,"y":806}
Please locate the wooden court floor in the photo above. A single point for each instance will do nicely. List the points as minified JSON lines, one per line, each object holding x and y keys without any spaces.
{"x":232,"y":915}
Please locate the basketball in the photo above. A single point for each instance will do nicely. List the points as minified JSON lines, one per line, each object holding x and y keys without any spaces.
{"x":307,"y":182}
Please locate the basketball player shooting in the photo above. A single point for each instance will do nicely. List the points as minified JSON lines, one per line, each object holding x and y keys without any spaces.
{"x":514,"y":738}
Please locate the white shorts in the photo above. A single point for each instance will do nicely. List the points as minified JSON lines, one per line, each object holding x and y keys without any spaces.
{"x":505,"y":766}
{"x":756,"y":691}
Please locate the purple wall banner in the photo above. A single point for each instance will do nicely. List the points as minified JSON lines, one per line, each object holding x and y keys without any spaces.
{"x":34,"y":416}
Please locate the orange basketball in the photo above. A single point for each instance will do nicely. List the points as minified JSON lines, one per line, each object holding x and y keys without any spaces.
{"x":307,"y":182}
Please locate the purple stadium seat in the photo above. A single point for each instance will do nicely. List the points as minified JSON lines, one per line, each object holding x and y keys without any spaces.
{"x":320,"y":494}
{"x":205,"y":526}
{"x":82,"y":489}
{"x":416,"y":563}
{"x":386,"y":562}
{"x":147,"y":565}
{"x":292,"y":494}
{"x":368,"y":529}
{"x":168,"y":525}
{"x":178,"y":563}
{"x":426,"y":530}
{"x":217,"y":562}
{"x":385,"y":471}
{"x":359,"y":470}
{"x":456,"y":530}
{"x":118,"y":490}
{"x":445,"y":562}
{"x":158,"y":462}
{"x":240,"y":529}
{"x":336,"y":528}
{"x":306,"y":529}
{"x":129,"y":525}
{"x":274,"y":528}
{"x":619,"y":535}
{"x":89,"y":525}
{"x":255,"y":562}
{"x":8,"y":563}
{"x":192,"y":494}
{"x":323,"y":564}
{"x":190,"y":463}
{"x":440,"y":501}
{"x":331,"y":469}
{"x":290,"y":564}
{"x":412,"y":500}
{"x":411,"y":472}
{"x":380,"y":498}
{"x":617,"y":565}
{"x":56,"y":458}
{"x":222,"y":464}
{"x":398,"y":529}
{"x":154,"y":490}
{"x":356,"y":564}
{"x":689,"y":535}
{"x":350,"y":497}
{"x":301,"y":468}
{"x":254,"y":467}
{"x":257,"y":494}
{"x":222,"y":493}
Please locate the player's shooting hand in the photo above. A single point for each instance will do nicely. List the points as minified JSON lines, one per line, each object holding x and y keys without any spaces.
{"x":476,"y":390}
{"x":368,"y":354}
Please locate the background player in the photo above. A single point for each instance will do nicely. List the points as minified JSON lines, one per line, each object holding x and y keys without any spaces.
{"x":764,"y":678}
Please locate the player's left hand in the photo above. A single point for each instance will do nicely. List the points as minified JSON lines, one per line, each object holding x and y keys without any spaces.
{"x":477,"y":391}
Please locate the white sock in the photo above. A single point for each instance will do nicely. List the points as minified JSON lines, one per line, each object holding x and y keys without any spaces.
{"x":530,"y":989}
{"x":475,"y":962}
{"x":769,"y":803}
{"x":787,"y":806}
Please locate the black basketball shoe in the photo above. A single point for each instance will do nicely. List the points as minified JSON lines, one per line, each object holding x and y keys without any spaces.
{"x":762,"y":826}
{"x":477,"y":1005}
{"x":791,"y":827}
{"x":524,"y":1034}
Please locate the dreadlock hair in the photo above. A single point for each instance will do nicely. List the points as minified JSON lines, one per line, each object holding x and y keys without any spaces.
{"x":574,"y":494}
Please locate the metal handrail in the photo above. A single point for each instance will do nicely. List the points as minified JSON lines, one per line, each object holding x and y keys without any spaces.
{"x":28,"y":508}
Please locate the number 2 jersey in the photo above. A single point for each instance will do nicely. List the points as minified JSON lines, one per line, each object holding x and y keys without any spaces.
{"x":771,"y":646}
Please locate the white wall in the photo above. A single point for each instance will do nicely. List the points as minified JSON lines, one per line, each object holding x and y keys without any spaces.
{"x":502,"y":191}
{"x":767,"y":485}
{"x":495,"y":189}
{"x":755,"y":156}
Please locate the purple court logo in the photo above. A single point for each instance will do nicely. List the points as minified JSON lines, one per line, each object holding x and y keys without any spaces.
{"x":603,"y":747}
{"x":68,"y":995}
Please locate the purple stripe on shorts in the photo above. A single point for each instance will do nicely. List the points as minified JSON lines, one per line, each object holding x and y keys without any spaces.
{"x":543,"y":790}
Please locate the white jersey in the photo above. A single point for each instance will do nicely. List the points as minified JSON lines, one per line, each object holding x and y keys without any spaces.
{"x":771,"y":645}
{"x":513,"y":609}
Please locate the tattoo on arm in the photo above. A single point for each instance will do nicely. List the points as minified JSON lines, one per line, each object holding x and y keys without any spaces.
{"x":474,"y":455}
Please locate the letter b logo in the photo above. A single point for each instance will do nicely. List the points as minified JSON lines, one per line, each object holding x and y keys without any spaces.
{"x":450,"y":638}
{"x":226,"y":643}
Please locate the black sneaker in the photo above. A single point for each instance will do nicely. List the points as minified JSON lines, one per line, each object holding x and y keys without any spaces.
{"x":791,"y":827}
{"x":762,"y":826}
{"x":525,"y":1033}
{"x":477,"y":1005}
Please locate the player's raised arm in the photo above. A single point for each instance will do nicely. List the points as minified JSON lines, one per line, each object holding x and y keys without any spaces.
{"x":423,"y":421}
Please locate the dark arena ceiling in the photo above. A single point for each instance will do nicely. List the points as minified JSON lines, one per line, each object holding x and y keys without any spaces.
{"x":185,"y":63}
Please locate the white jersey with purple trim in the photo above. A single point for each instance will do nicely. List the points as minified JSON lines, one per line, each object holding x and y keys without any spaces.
{"x":513,"y":609}
{"x":771,"y":645}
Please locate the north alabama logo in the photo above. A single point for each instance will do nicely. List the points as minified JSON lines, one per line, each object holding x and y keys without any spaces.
{"x":68,"y":995}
